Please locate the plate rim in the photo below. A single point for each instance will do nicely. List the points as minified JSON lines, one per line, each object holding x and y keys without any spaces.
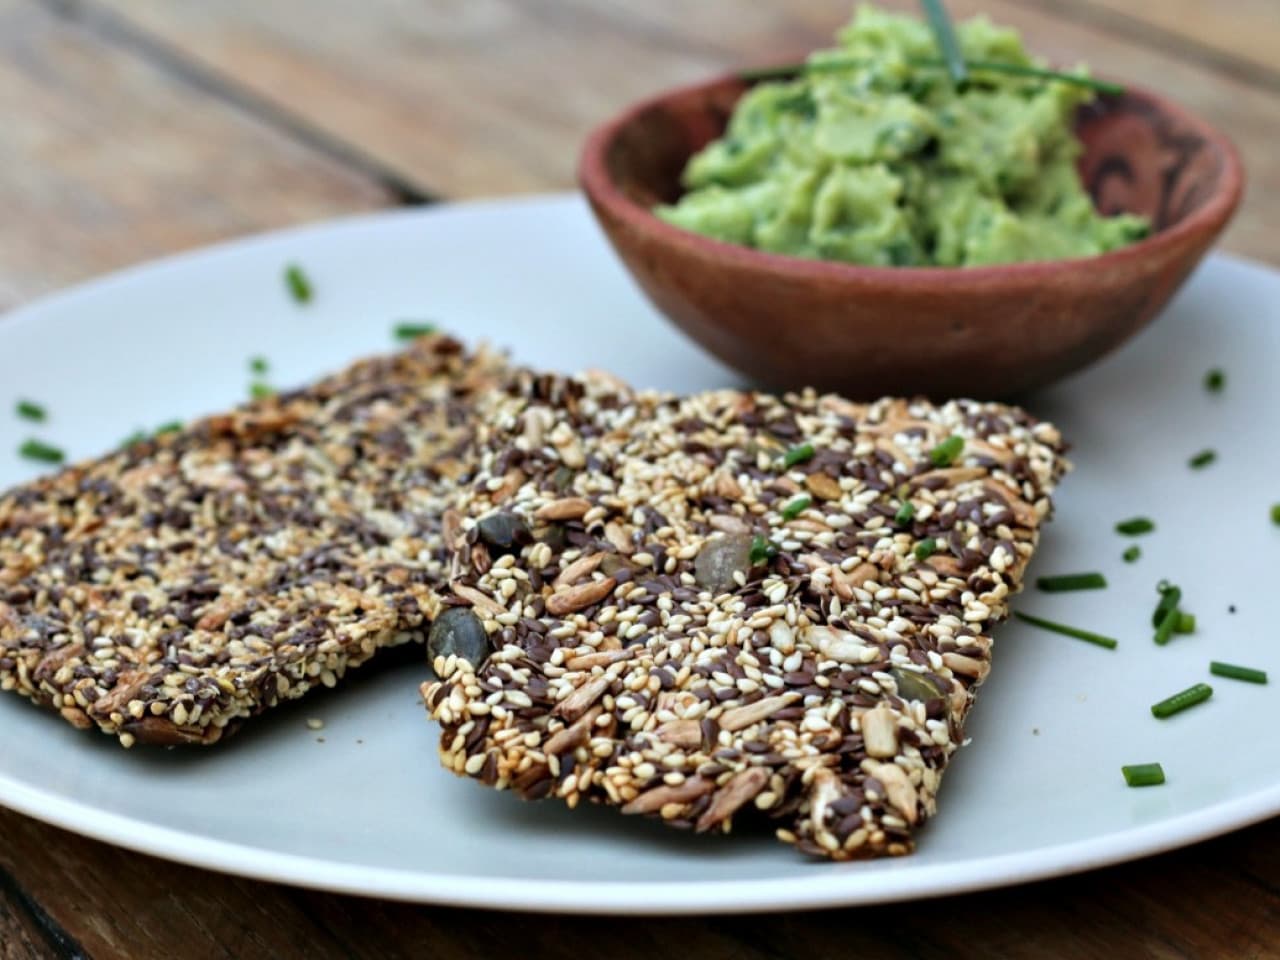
{"x":832,"y":885}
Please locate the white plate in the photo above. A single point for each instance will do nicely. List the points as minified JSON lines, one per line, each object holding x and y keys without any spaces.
{"x":368,"y":810}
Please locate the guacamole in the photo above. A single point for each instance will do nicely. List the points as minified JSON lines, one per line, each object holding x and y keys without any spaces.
{"x":878,"y":158}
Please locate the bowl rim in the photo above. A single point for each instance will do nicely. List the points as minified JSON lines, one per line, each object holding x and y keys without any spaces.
{"x":600,"y":188}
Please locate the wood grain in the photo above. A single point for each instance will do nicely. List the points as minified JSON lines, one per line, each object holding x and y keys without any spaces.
{"x":108,"y":160}
{"x":113,"y":903}
{"x":134,"y":128}
{"x":495,"y":96}
{"x":21,"y":936}
{"x":1220,"y":899}
{"x":1239,"y":37}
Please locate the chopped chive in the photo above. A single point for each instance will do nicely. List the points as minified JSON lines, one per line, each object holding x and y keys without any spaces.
{"x":42,"y":452}
{"x":1170,"y":597}
{"x":298,"y":284}
{"x":259,"y":366}
{"x":944,"y":33}
{"x":979,"y":66}
{"x":906,"y":513}
{"x":1067,"y":631}
{"x":1040,"y":73}
{"x":173,"y":426}
{"x":1197,"y":693}
{"x":1275,"y":514}
{"x":1166,"y":627}
{"x":797,"y":507}
{"x":30,"y":410}
{"x":260,"y":391}
{"x":1202,"y":459}
{"x":1186,"y":622}
{"x":798,"y":454}
{"x":1131,"y":554}
{"x":1143,"y":774}
{"x":1248,"y":674}
{"x":1135,"y":526}
{"x":1071,"y":581}
{"x":136,"y":437}
{"x":1215,"y":380}
{"x":926,"y":548}
{"x":945,"y":453}
{"x":762,"y":551}
{"x":411,"y":331}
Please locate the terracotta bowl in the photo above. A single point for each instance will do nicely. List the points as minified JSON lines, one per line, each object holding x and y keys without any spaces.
{"x":870,"y":331}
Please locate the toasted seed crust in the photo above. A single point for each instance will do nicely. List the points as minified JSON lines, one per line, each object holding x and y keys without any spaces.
{"x":167,"y":591}
{"x":825,"y":689}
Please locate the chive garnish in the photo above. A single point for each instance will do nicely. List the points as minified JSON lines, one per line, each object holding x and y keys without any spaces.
{"x":944,"y":33}
{"x":1215,"y":380}
{"x":1186,"y":622}
{"x":44,"y":453}
{"x":1039,"y":73}
{"x":906,"y":513}
{"x":1067,"y":631}
{"x":1071,"y":581}
{"x":926,"y":548}
{"x":1248,"y":674}
{"x":1132,"y":554}
{"x":977,"y":66}
{"x":298,"y":284}
{"x":1143,"y":774}
{"x":1202,"y":459}
{"x":1170,"y":597}
{"x":259,"y":366}
{"x":260,"y":391}
{"x":1197,"y":693}
{"x":173,"y":426}
{"x":1275,"y":514}
{"x":136,"y":437}
{"x":411,"y":331}
{"x":1166,"y":627}
{"x":797,"y":507}
{"x":798,"y":454}
{"x":945,"y":453}
{"x":1135,"y":526}
{"x":762,"y":551}
{"x":30,"y":410}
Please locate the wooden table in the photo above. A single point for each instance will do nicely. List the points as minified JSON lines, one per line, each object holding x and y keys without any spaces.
{"x":134,"y":128}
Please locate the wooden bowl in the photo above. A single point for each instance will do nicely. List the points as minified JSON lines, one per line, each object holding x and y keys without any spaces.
{"x":941,"y":331}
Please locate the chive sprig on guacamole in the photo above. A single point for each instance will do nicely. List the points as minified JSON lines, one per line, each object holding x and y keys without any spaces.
{"x":872,"y":155}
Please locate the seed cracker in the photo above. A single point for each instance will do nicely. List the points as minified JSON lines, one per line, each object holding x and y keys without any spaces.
{"x":165,"y":592}
{"x":641,"y":659}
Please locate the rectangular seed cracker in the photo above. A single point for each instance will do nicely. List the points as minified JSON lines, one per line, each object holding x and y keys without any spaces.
{"x":642,"y":657}
{"x":165,"y":592}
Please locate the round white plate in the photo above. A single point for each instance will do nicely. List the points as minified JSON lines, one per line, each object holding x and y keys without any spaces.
{"x":362,"y":805}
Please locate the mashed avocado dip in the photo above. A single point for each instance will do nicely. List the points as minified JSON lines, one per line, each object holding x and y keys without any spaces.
{"x":873,"y":156}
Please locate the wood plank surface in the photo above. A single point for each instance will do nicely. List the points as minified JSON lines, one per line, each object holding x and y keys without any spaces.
{"x":21,"y":935}
{"x":1214,"y":900}
{"x":135,"y":128}
{"x":1238,"y":37}
{"x":109,"y":160}
{"x":495,"y":96}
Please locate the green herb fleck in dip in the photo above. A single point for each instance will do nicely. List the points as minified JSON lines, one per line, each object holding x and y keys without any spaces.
{"x":872,"y":155}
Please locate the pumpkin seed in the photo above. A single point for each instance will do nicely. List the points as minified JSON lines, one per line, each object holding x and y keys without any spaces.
{"x":720,"y":558}
{"x":457,"y":631}
{"x":915,"y":686}
{"x":503,"y":532}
